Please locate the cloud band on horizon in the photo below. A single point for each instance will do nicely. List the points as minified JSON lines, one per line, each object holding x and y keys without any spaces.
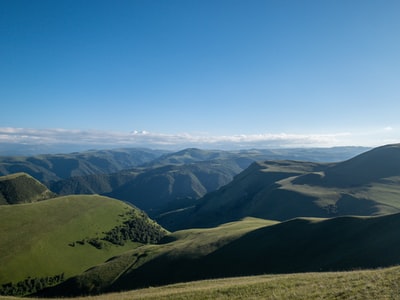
{"x":169,"y":141}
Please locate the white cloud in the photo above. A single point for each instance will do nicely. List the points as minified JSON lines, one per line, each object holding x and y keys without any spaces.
{"x":167,"y":141}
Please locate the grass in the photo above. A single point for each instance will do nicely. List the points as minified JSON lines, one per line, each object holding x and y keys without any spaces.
{"x":35,"y":237}
{"x":249,"y":247}
{"x":184,"y":245}
{"x":360,"y":284}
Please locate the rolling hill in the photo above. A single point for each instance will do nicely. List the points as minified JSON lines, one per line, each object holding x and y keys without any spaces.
{"x":22,"y":188}
{"x":367,"y":184}
{"x":45,"y":242}
{"x":248,"y":247}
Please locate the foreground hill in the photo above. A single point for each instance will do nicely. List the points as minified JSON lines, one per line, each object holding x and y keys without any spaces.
{"x":49,"y":241}
{"x":363,"y":285}
{"x":368,"y":184}
{"x":22,"y":188}
{"x":52,"y":167}
{"x":248,"y":247}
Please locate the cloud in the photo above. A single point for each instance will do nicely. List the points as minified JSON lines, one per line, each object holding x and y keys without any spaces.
{"x":136,"y":138}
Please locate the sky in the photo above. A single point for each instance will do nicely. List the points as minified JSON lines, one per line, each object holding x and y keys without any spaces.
{"x":209,"y":73}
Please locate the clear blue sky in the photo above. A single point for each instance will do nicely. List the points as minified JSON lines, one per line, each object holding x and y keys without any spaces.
{"x":203,"y":68}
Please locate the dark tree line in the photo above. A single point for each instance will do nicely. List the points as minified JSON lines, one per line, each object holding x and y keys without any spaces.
{"x":30,"y":285}
{"x":136,"y":229}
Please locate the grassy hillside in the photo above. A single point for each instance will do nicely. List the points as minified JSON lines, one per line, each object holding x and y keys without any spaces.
{"x":363,"y":285}
{"x":67,"y":235}
{"x":22,"y":188}
{"x":366,"y":185}
{"x":248,"y":247}
{"x":189,"y":244}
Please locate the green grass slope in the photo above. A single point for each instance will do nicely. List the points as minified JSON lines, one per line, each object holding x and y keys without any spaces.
{"x":67,"y":235}
{"x":360,"y":284}
{"x":249,"y":247}
{"x":22,"y":188}
{"x":185,"y":245}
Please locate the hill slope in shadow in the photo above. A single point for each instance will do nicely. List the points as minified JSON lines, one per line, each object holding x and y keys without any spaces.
{"x":22,"y":188}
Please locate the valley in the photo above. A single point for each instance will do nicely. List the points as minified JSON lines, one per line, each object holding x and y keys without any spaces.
{"x":199,"y":215}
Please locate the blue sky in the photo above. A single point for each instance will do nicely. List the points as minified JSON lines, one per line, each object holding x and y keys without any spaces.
{"x":272,"y":72}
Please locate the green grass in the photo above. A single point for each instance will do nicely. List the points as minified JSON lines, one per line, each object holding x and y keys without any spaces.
{"x":361,"y":284}
{"x":249,"y":247}
{"x":35,"y":238}
{"x":186,"y":245}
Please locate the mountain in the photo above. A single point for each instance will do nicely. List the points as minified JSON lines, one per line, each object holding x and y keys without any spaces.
{"x":247,"y":247}
{"x":52,"y":167}
{"x":174,"y":181}
{"x":46,"y":242}
{"x":246,"y":157}
{"x":22,"y":188}
{"x":367,"y":184}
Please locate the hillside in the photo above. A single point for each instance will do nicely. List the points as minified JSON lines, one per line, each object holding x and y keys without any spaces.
{"x":52,"y":240}
{"x":22,"y":188}
{"x":249,"y":247}
{"x":367,"y":184}
{"x":374,"y":284}
{"x":53,"y":167}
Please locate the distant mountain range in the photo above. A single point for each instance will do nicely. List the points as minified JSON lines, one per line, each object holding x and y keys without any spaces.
{"x":156,"y":181}
{"x":52,"y":167}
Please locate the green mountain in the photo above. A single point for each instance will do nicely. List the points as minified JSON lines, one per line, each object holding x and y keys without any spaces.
{"x":52,"y":167}
{"x":46,"y":242}
{"x":247,"y":247}
{"x":367,"y":184}
{"x":22,"y":188}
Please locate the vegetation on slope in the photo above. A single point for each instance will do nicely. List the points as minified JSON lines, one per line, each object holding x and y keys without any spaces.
{"x":189,"y":244}
{"x":22,"y":188}
{"x":61,"y":236}
{"x":248,"y":247}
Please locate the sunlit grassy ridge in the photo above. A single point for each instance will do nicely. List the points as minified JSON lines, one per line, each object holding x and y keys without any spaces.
{"x":41,"y":239}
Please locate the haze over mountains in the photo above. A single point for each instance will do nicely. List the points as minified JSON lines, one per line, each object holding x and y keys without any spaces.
{"x":243,"y":213}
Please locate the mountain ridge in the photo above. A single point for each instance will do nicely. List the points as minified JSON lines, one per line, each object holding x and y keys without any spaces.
{"x":283,"y":190}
